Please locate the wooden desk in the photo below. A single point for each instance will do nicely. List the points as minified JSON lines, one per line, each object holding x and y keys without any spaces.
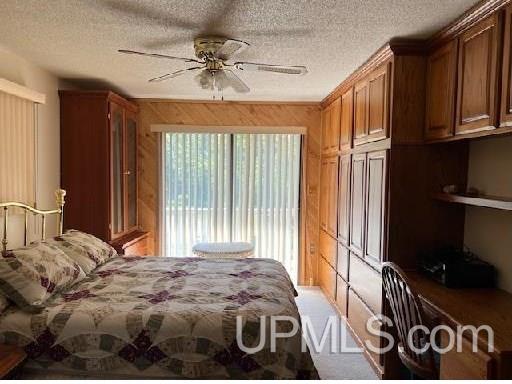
{"x":460,"y":307}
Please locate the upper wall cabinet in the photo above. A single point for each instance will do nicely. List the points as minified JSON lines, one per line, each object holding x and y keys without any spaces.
{"x":347,"y":118}
{"x":331,"y":127}
{"x":360,"y":112}
{"x":371,"y":106}
{"x":506,"y":88}
{"x":441,"y":80}
{"x":477,"y":77}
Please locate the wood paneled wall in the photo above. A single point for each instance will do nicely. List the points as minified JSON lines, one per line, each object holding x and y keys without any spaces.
{"x":232,"y":114}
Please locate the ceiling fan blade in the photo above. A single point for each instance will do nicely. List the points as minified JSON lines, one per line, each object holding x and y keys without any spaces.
{"x":235,"y":82}
{"x":204,"y":79}
{"x":172,"y":75}
{"x":158,"y":56}
{"x":230,"y":48}
{"x":289,"y":70}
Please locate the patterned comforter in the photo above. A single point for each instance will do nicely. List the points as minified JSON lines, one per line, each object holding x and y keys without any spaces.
{"x":165,"y":317}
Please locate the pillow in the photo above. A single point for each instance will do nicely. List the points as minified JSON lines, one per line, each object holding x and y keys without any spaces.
{"x":86,"y":250}
{"x":4,"y":303}
{"x":31,"y":275}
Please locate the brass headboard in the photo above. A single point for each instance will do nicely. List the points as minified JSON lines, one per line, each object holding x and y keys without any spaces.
{"x":59,"y":197}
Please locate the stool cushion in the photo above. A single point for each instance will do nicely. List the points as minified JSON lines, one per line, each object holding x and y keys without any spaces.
{"x":223,"y":250}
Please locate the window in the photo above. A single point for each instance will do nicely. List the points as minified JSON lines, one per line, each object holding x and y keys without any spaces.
{"x":232,"y":187}
{"x":17,"y":142}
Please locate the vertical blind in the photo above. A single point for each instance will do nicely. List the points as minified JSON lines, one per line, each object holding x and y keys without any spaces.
{"x":232,"y":187}
{"x":17,"y":149}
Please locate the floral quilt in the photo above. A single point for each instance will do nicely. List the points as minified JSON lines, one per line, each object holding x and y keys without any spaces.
{"x":165,"y":317}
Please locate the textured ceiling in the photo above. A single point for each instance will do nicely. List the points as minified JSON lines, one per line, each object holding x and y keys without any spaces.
{"x":78,"y":39}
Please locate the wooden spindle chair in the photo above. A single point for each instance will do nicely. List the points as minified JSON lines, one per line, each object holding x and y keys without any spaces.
{"x":408,"y":313}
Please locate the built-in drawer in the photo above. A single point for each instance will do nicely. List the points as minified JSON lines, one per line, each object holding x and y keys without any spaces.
{"x":367,"y":282}
{"x":358,"y":315}
{"x":327,"y":278}
{"x":341,"y":295}
{"x":465,"y":364}
{"x":328,"y":248}
{"x":342,"y":265}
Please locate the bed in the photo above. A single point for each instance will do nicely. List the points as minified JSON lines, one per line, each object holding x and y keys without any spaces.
{"x":155,"y":317}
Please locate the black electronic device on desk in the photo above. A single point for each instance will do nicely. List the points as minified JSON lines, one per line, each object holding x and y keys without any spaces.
{"x":456,"y":268}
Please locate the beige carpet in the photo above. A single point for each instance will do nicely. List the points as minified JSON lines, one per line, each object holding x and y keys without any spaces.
{"x":312,"y":303}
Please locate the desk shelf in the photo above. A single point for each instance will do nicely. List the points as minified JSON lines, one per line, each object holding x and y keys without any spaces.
{"x":496,"y":202}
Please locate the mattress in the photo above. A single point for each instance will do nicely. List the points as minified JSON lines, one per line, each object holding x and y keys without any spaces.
{"x":166,"y":318}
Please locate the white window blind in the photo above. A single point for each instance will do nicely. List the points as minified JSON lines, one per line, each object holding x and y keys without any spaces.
{"x":232,"y":187}
{"x":17,"y":148}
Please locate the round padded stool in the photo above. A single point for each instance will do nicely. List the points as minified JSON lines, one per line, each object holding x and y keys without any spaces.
{"x":223,"y":250}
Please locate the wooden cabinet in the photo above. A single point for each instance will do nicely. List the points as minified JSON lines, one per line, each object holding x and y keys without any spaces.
{"x":326,"y":127}
{"x":341,"y":295}
{"x":331,"y":127}
{"x":506,"y":79}
{"x":328,"y":248}
{"x":440,"y":97}
{"x":343,"y":261}
{"x":358,"y":315}
{"x":367,"y":283}
{"x":375,"y":206}
{"x":347,"y":119}
{"x":12,"y":359}
{"x":329,"y":195}
{"x":360,"y":112}
{"x":357,"y":203}
{"x":327,"y":279}
{"x":378,"y":98}
{"x":371,"y":109}
{"x":133,"y":244}
{"x":99,"y":162}
{"x":477,"y":77}
{"x":464,"y":364}
{"x":344,"y":199}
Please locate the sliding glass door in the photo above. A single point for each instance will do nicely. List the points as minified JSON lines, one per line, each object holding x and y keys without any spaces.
{"x":240,"y":187}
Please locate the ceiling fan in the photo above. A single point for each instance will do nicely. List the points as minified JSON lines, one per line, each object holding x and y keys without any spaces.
{"x":213,"y":70}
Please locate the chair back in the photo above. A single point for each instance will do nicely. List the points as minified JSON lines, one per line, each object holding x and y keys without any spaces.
{"x":408,"y":315}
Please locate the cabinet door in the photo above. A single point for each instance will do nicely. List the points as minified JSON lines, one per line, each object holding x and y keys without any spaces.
{"x":347,"y":119}
{"x":506,"y":86}
{"x":334,"y":136}
{"x":332,"y":210}
{"x":360,"y":112}
{"x":344,"y":199}
{"x":378,"y":90}
{"x":441,"y":79}
{"x":357,"y":193}
{"x":327,"y":278}
{"x":324,"y":193}
{"x":130,"y":171}
{"x":478,"y":51}
{"x":375,"y":206}
{"x":326,"y":122}
{"x":117,"y":170}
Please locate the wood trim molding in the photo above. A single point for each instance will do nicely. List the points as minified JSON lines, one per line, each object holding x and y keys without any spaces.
{"x":176,"y":128}
{"x":21,"y":91}
{"x":468,"y":19}
{"x":228,"y":102}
